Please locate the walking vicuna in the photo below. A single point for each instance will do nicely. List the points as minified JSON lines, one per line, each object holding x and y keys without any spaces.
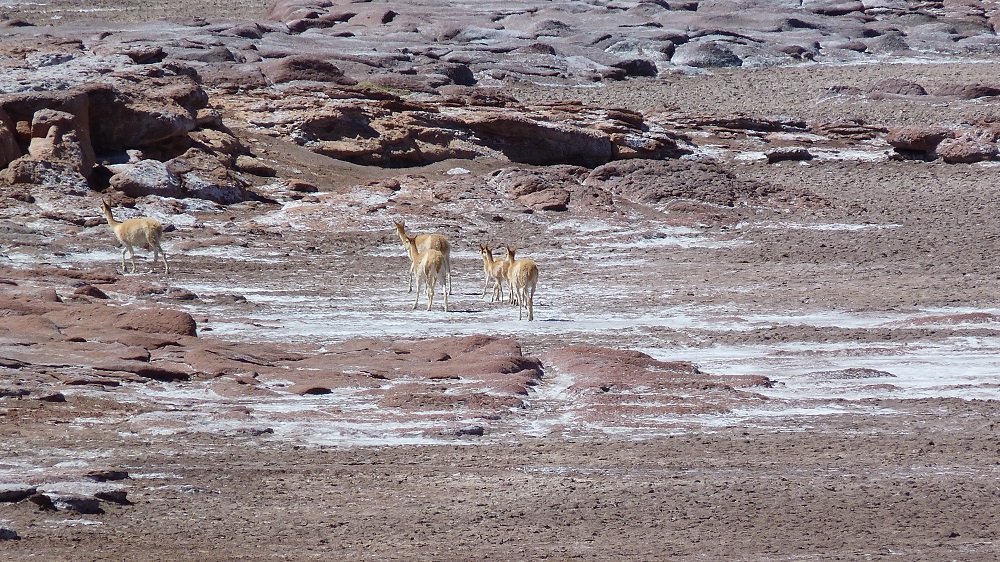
{"x":522,"y":277}
{"x":427,"y":242}
{"x":496,"y":270}
{"x":428,"y":267}
{"x":142,"y":232}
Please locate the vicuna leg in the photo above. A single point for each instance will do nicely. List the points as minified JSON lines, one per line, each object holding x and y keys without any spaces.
{"x":417,"y":299}
{"x":446,"y":292}
{"x":431,"y":281}
{"x":497,"y":291}
{"x":530,"y":296}
{"x":166,"y":267}
{"x":131,"y":256}
{"x":447,"y":268}
{"x":153,"y":242}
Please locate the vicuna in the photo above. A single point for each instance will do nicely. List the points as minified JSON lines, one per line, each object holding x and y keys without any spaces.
{"x":428,"y":267}
{"x":142,"y":232}
{"x":522,"y":276}
{"x":427,"y":242}
{"x":496,"y":271}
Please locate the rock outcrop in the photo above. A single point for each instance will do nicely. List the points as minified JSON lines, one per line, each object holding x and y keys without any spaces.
{"x":413,"y":89}
{"x":97,"y":108}
{"x":606,"y":384}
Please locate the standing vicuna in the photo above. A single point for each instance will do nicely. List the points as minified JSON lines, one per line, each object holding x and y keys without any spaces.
{"x":142,"y":232}
{"x":428,"y":267}
{"x":522,"y":276}
{"x":427,"y":242}
{"x":496,"y":270}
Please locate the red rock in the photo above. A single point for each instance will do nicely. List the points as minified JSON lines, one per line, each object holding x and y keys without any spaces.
{"x":897,"y":86}
{"x":304,"y":67}
{"x":966,"y":149}
{"x":919,"y":139}
{"x":90,"y":291}
{"x":787,"y":153}
{"x":553,"y":199}
{"x":158,"y":321}
{"x":967,"y":91}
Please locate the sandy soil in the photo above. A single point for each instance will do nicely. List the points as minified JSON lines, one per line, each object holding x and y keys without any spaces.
{"x":916,"y":485}
{"x":895,"y":272}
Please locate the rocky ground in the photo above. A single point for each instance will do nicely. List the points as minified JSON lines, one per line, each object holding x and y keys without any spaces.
{"x":765,"y":325}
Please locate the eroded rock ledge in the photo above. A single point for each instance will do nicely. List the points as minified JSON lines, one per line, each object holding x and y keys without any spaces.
{"x":148,"y":108}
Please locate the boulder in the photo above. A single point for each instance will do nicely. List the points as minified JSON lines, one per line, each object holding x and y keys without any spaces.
{"x":205,"y":170}
{"x":8,"y":534}
{"x":202,"y":54}
{"x":21,"y":107}
{"x":64,"y":177}
{"x":705,"y":54}
{"x":146,"y":177}
{"x":833,"y":7}
{"x":552,"y":199}
{"x":637,"y":67}
{"x":56,"y":140}
{"x":87,"y":505}
{"x":220,"y":143}
{"x":140,"y":54}
{"x":457,"y":73}
{"x":90,"y":291}
{"x":255,"y":166}
{"x":897,"y":86}
{"x":55,"y":135}
{"x":223,"y":192}
{"x":304,"y":67}
{"x":787,"y":154}
{"x":519,"y":182}
{"x":967,"y":91}
{"x":917,"y":138}
{"x":890,"y":43}
{"x":967,"y":149}
{"x":158,"y":321}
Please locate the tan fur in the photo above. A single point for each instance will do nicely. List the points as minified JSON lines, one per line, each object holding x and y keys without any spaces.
{"x":428,"y":267}
{"x":496,"y":271}
{"x":426,"y":242}
{"x":522,"y":277}
{"x":142,"y":232}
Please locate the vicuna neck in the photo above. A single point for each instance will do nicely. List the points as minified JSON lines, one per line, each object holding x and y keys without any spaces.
{"x":111,"y":218}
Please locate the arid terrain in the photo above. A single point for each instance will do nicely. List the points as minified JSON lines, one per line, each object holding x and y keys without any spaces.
{"x":766,"y":320}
